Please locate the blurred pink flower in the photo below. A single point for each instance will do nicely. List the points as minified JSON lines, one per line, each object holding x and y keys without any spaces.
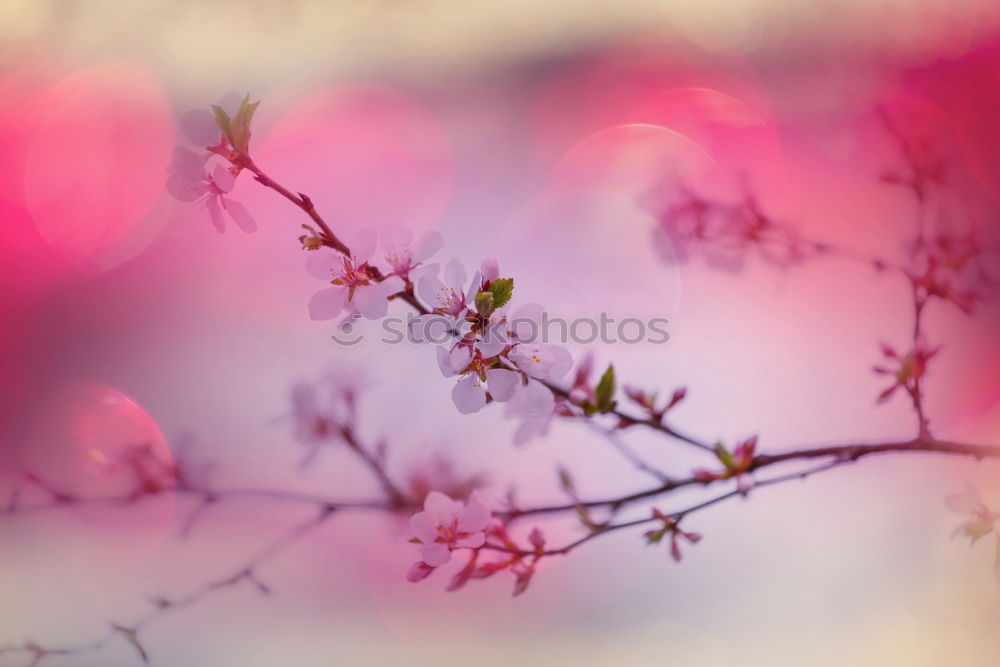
{"x":909,"y":370}
{"x":189,"y":181}
{"x":446,"y":525}
{"x":981,"y":521}
{"x":951,"y":271}
{"x":535,"y":405}
{"x":671,"y":526}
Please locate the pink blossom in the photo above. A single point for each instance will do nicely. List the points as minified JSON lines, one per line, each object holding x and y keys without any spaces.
{"x":312,"y":424}
{"x":190,"y":181}
{"x":446,"y":525}
{"x":535,"y":405}
{"x":448,"y":296}
{"x":479,"y":375}
{"x":980,"y":520}
{"x":952,"y":271}
{"x":405,"y":257}
{"x":353,"y":282}
{"x":545,"y":362}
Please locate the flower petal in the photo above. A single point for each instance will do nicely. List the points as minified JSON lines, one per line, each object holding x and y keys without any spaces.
{"x":423,"y":525}
{"x":363,"y":246}
{"x":200,"y":127}
{"x":427,"y":245}
{"x":223,"y":178}
{"x":435,"y":329}
{"x":493,"y":340}
{"x":396,"y":237}
{"x":531,"y":429}
{"x":454,"y":274}
{"x":435,"y":555}
{"x":563,"y":364}
{"x":535,"y":360}
{"x":468,"y":395}
{"x":215,"y":213}
{"x":526,"y":322}
{"x":473,"y":541}
{"x":327,"y":303}
{"x":490,"y":269}
{"x":420,"y":272}
{"x":418,"y":572}
{"x":475,"y":515}
{"x":502,"y":383}
{"x":188,"y":163}
{"x":238,"y":212}
{"x":431,"y":291}
{"x":184,"y":188}
{"x":370,"y":301}
{"x":322,"y":263}
{"x":441,"y":506}
{"x":459,"y":358}
{"x":534,"y":400}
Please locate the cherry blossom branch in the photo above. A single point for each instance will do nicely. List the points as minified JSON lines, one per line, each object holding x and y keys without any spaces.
{"x":330,"y":239}
{"x":844,"y":453}
{"x":604,"y":529}
{"x":446,"y":525}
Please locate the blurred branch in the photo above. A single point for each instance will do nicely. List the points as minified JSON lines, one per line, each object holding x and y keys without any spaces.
{"x":162,"y":606}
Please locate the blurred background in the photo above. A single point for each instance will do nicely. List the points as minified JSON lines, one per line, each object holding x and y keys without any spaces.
{"x":535,"y":132}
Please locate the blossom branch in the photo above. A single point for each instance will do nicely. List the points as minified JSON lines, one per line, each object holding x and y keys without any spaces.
{"x":329,"y":238}
{"x":527,"y":377}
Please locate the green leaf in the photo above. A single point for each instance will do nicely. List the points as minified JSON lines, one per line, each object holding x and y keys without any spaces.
{"x":236,"y":129}
{"x":223,"y":121}
{"x":724,"y":456}
{"x":240,"y":126}
{"x":604,"y":393}
{"x":501,"y":289}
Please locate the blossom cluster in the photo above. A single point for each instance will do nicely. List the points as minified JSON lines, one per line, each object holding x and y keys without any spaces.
{"x":979,"y":519}
{"x":950,"y":268}
{"x":670,"y":525}
{"x":491,"y":354}
{"x":723,"y":232}
{"x":491,"y":350}
{"x":735,"y":464}
{"x":905,"y":369}
{"x":445,"y":526}
{"x":206,"y":178}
